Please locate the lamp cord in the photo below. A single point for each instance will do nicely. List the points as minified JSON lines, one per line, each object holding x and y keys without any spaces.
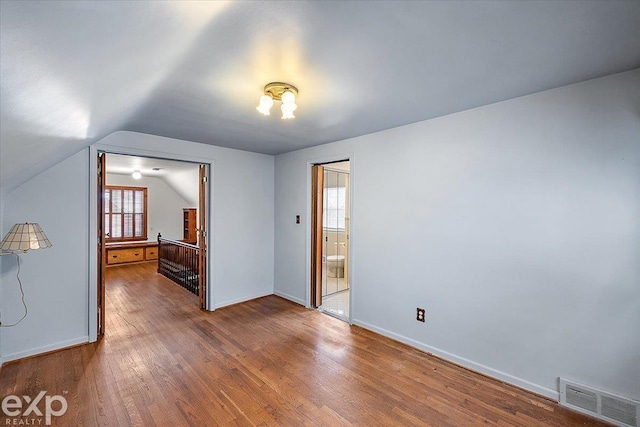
{"x":26,"y":311}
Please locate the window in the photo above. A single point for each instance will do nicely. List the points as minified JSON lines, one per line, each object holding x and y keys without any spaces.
{"x":125,"y":215}
{"x":335,"y":209}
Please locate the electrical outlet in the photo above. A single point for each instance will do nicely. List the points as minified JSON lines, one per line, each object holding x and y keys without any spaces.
{"x":420,"y":314}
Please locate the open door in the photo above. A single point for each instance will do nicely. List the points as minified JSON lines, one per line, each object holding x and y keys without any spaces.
{"x":102,"y":162}
{"x":317,"y":188}
{"x":202,"y":236}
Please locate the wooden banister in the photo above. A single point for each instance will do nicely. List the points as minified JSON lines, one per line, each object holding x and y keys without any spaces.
{"x":178,"y":261}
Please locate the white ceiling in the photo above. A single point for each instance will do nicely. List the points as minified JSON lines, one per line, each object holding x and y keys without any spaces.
{"x":125,"y":165}
{"x":74,"y":72}
{"x":181,"y":177}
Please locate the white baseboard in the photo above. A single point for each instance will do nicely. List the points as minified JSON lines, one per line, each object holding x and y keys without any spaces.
{"x":39,"y":350}
{"x":243,"y":299}
{"x":290,"y":297}
{"x":494,"y":373}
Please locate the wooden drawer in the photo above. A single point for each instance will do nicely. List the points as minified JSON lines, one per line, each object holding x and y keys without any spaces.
{"x":118,"y":256}
{"x":151,"y":253}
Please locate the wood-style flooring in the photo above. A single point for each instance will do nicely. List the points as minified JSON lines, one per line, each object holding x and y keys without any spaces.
{"x":263,"y":362}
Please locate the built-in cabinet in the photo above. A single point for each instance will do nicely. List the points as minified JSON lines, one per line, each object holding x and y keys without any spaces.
{"x":189,"y":225}
{"x":129,"y":252}
{"x":123,"y":253}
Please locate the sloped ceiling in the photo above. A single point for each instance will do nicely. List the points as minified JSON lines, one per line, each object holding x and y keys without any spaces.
{"x":74,"y":72}
{"x":181,"y":177}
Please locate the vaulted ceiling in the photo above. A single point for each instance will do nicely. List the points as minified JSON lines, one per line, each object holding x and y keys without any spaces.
{"x":74,"y":72}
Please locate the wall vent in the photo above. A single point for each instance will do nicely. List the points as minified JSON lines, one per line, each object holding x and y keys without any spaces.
{"x":600,"y":404}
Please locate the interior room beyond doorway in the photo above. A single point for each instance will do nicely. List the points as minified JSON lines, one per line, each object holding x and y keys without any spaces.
{"x":336,"y":218}
{"x":151,"y":224}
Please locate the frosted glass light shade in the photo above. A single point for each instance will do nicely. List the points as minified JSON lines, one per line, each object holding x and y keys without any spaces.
{"x":287,"y":112}
{"x":136,"y":174}
{"x":288,"y":97}
{"x":288,"y":105}
{"x":23,"y":237}
{"x":265,"y":105}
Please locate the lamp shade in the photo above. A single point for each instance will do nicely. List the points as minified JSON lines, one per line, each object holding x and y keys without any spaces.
{"x":23,"y":237}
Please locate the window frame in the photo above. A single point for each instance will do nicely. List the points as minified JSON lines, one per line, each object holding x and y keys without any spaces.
{"x":337,"y":210}
{"x":108,"y":212}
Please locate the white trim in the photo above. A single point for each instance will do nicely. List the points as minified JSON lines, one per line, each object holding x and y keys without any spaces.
{"x":289,"y":297}
{"x":494,"y":373}
{"x":208,"y":303}
{"x":243,"y":299}
{"x":93,"y":244}
{"x":307,"y":238}
{"x":156,"y":154}
{"x":47,"y":348}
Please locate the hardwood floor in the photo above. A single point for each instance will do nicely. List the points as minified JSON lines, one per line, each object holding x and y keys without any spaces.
{"x":263,"y":362}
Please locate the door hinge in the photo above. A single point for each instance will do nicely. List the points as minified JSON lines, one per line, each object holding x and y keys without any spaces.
{"x":204,"y":179}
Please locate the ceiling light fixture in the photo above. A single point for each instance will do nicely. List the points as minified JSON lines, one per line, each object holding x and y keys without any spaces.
{"x":279,"y":91}
{"x":136,"y":174}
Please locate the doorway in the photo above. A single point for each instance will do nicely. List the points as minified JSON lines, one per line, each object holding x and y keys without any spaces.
{"x":331,"y":226}
{"x":151,"y":218}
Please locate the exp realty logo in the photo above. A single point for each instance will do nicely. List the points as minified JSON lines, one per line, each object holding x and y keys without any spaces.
{"x":25,"y":410}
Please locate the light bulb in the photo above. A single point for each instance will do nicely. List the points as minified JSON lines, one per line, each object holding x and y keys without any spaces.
{"x":136,"y":174}
{"x":265,"y":105}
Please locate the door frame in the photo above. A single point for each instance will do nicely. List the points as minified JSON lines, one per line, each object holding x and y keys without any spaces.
{"x":203,"y":232}
{"x":101,"y":240}
{"x":93,"y":218}
{"x":317,"y":232}
{"x":352,"y":242}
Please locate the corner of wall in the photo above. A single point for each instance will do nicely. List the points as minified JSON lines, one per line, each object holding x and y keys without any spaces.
{"x":464,"y":362}
{"x":493,"y":240}
{"x":62,"y":269}
{"x":289,"y":297}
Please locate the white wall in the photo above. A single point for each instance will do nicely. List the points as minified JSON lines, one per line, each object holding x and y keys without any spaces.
{"x":516,"y":225}
{"x":54,"y":279}
{"x":180,"y":182}
{"x":57,"y":280}
{"x":164,"y":206}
